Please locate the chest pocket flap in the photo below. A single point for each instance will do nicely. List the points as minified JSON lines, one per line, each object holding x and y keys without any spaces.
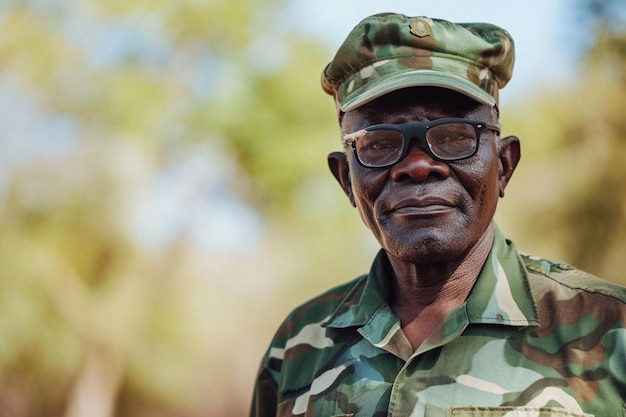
{"x":513,"y":412}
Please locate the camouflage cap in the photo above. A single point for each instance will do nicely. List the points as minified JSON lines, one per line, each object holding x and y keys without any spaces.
{"x":388,"y":52}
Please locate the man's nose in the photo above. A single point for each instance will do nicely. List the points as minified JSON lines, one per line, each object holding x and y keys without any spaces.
{"x":418,"y":165}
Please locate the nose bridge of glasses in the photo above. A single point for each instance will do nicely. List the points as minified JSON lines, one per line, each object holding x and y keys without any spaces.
{"x":415,"y":134}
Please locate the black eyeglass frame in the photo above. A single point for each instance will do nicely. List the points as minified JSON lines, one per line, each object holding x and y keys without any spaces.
{"x":417,"y":130}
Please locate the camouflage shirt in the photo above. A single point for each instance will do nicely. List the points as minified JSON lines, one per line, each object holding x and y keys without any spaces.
{"x":534,"y":338}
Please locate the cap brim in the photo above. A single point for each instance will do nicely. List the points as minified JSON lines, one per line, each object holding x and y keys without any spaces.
{"x":414,"y":78}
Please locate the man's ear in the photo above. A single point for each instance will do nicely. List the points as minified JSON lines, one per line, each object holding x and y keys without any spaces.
{"x":338,"y":164}
{"x":509,"y":152}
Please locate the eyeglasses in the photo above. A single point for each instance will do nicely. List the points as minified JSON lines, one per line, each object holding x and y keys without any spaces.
{"x":445,"y":139}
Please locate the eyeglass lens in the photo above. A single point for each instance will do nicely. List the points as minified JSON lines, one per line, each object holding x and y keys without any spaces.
{"x":448,"y":141}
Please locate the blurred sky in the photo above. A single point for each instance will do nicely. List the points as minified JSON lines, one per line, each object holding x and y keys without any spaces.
{"x":540,"y":29}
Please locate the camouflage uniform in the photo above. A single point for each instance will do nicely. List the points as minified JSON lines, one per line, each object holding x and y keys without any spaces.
{"x":534,"y":338}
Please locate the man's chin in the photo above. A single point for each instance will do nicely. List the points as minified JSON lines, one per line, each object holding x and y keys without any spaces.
{"x":426,"y":248}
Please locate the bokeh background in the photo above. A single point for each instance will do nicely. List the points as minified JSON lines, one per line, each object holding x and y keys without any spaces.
{"x":165,"y":200}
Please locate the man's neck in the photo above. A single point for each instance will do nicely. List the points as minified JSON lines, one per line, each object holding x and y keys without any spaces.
{"x":434,"y":292}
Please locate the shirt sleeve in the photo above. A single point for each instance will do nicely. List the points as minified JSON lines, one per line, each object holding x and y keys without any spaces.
{"x":265,"y":396}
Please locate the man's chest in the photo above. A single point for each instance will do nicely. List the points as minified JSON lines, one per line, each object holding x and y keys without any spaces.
{"x":481,"y":373}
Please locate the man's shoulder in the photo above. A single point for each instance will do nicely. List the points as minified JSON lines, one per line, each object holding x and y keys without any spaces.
{"x":561,"y":274}
{"x":317,"y":310}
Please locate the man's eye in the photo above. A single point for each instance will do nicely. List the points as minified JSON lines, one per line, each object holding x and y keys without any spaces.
{"x":454,"y":139}
{"x":380,"y":145}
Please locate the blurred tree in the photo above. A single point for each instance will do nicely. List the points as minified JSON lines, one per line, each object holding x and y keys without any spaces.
{"x":92,"y":316}
{"x":571,"y":187}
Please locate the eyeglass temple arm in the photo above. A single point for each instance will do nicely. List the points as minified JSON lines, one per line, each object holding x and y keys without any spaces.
{"x":349,"y":138}
{"x":495,"y":128}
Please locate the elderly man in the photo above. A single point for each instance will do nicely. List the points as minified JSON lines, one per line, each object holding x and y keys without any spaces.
{"x":450,"y":320}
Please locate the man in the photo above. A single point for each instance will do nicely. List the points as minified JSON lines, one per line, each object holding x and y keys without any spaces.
{"x":450,"y":320}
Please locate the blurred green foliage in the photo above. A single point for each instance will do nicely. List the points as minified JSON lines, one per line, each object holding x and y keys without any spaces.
{"x":570,"y":190}
{"x":111,"y":97}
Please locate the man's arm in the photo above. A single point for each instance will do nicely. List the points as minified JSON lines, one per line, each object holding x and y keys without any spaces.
{"x":265,"y":395}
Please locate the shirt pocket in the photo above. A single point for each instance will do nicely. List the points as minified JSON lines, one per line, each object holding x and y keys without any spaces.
{"x":513,"y":412}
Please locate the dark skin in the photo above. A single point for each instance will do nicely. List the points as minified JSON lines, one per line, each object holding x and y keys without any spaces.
{"x":432,"y":218}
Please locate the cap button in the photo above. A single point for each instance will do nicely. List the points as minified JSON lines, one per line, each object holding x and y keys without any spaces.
{"x":419,"y":27}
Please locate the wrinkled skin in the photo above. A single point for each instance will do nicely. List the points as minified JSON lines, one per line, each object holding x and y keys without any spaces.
{"x":424,"y":212}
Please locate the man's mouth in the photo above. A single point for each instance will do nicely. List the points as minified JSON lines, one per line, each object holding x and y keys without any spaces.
{"x":422,"y":205}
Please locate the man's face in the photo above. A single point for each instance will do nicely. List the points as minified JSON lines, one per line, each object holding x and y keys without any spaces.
{"x":422,"y":210}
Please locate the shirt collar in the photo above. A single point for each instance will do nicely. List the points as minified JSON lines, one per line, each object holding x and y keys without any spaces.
{"x":369,"y":295}
{"x":501,"y":294}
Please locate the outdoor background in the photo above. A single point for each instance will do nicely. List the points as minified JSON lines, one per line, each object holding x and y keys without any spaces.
{"x":165,"y":200}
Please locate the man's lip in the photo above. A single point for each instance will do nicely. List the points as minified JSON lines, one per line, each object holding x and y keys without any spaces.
{"x":422,"y":203}
{"x":423,"y":206}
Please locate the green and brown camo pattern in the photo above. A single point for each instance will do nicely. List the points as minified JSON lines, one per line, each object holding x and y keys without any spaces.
{"x":534,"y":338}
{"x":388,"y":51}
